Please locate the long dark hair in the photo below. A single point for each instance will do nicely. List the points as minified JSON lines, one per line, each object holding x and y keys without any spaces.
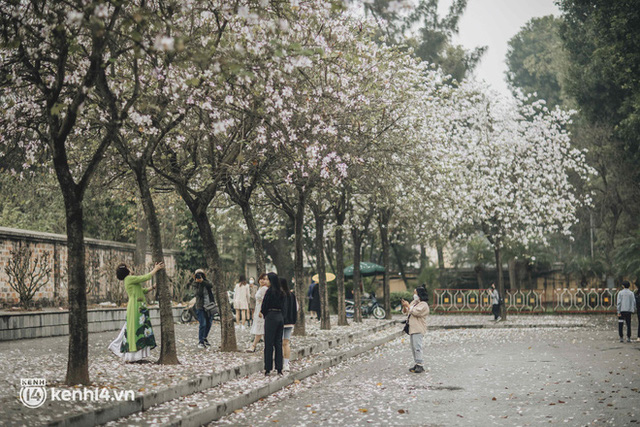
{"x":275,"y":284}
{"x":285,"y":286}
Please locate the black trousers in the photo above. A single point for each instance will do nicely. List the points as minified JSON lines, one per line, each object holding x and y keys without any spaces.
{"x":495,"y":309}
{"x":625,"y":317}
{"x":273,"y":327}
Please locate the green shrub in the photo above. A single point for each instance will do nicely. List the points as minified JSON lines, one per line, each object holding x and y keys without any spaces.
{"x":395,"y":298}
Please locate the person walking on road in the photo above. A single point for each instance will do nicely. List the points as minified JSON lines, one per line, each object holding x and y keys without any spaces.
{"x":417,"y":312}
{"x":290,"y":317}
{"x":495,"y":303}
{"x":204,"y":296}
{"x":257,"y":327}
{"x":272,"y":309}
{"x":626,"y":306}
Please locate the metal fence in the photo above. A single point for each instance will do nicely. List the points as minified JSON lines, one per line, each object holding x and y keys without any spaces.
{"x":600,"y":300}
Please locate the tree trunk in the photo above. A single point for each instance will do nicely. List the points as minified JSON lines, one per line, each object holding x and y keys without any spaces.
{"x":423,"y":257}
{"x":212,"y":255}
{"x":403,"y":272}
{"x":299,"y":329}
{"x":280,"y":252}
{"x":512,"y":274}
{"x":168,"y":351}
{"x":256,"y":239}
{"x":140,"y":255}
{"x":386,"y":262}
{"x":478,"y":270}
{"x":342,"y":313}
{"x":78,"y":361}
{"x":357,"y":294}
{"x":503,"y":308}
{"x":440,"y":251}
{"x":325,"y":321}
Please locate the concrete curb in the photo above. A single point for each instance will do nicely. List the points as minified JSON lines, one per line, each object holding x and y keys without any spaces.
{"x":213,"y":413}
{"x":141,"y":403}
{"x":503,"y":326}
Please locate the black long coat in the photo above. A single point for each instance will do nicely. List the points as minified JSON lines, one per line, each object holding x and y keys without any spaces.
{"x":315,"y":302}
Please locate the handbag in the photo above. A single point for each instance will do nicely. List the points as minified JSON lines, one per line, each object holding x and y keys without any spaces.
{"x":211,"y":308}
{"x":406,"y":325}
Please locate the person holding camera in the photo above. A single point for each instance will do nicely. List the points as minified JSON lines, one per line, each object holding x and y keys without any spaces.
{"x":204,"y":297}
{"x":417,"y":312}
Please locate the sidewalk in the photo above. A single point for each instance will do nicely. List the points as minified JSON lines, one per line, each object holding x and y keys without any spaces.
{"x":200,"y":370}
{"x":152,"y":384}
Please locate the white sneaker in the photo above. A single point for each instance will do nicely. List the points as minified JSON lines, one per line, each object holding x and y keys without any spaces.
{"x":498,"y":319}
{"x":201,"y":345}
{"x":286,"y":367}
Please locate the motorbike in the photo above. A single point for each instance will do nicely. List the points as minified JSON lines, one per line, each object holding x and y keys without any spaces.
{"x":189,"y":313}
{"x":368,"y":307}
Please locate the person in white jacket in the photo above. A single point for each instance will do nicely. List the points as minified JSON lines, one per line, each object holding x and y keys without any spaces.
{"x":626,"y":306}
{"x":241,"y":296}
{"x":417,"y":312}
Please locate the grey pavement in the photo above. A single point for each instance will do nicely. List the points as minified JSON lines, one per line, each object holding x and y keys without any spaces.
{"x":47,"y":358}
{"x":476,"y":377}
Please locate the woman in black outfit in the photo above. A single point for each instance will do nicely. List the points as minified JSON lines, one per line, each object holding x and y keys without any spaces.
{"x":272,"y":309}
{"x":315,"y":302}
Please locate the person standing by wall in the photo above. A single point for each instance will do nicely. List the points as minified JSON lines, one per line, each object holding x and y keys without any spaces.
{"x":136,"y":339}
{"x":495,"y":303}
{"x":257,"y":328}
{"x":204,"y":296}
{"x":626,"y":306}
{"x":272,"y":309}
{"x":417,"y":312}
{"x":241,"y":301}
{"x":290,"y":317}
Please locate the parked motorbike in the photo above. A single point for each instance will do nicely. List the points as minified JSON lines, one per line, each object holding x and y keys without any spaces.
{"x":369,"y":306}
{"x":189,"y":313}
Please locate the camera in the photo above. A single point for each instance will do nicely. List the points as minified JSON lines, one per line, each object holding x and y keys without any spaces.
{"x":199,"y":276}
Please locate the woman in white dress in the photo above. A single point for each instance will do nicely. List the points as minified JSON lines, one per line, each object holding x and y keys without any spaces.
{"x":257,"y":328}
{"x":241,"y":296}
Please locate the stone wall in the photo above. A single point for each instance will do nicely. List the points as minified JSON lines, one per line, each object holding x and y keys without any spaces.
{"x":101,"y":258}
{"x":15,"y":326}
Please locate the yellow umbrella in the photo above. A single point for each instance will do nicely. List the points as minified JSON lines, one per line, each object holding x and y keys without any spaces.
{"x":330,"y":277}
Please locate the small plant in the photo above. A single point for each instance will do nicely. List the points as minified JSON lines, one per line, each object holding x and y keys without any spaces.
{"x":27,"y":274}
{"x":181,"y":283}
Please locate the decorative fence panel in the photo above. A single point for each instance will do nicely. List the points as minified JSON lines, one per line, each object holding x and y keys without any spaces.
{"x":601,"y":300}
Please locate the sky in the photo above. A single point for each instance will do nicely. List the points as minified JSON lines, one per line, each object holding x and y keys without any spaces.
{"x":492,"y":23}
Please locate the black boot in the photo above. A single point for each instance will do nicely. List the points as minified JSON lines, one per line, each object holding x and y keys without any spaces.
{"x":418,"y":369}
{"x":413,"y":368}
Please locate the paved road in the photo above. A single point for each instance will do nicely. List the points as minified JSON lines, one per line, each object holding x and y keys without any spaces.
{"x":476,"y":377}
